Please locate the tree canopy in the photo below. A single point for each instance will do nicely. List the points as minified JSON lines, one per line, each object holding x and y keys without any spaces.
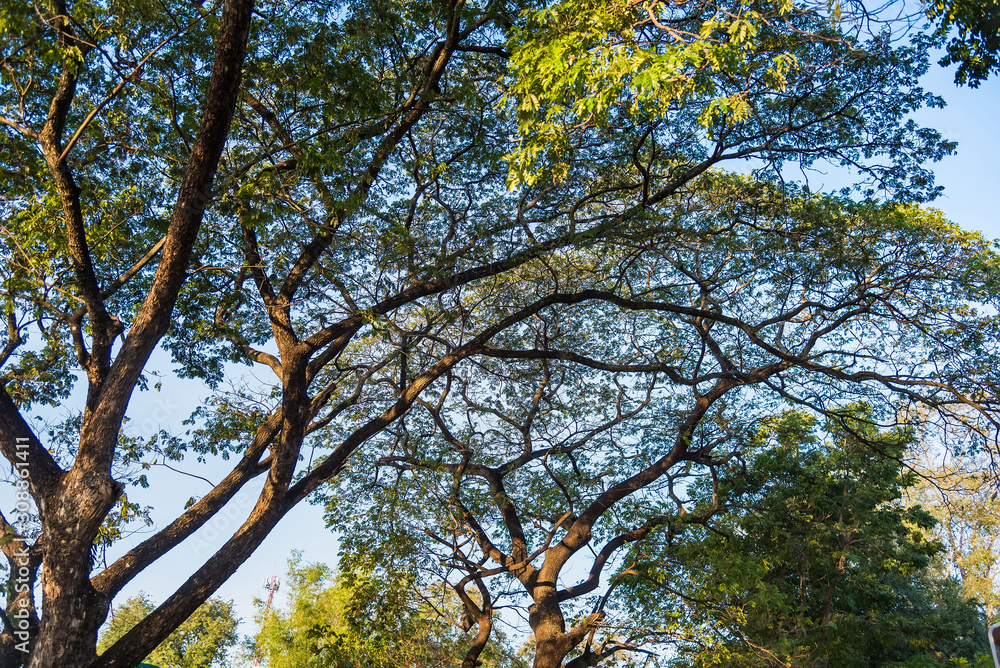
{"x":578,"y":436}
{"x":490,"y":245}
{"x":972,"y":34}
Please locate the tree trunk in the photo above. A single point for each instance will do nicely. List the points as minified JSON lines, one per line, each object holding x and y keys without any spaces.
{"x":20,"y":620}
{"x":72,"y":610}
{"x":552,"y":643}
{"x":72,"y":614}
{"x":72,"y":505}
{"x":548,"y":654}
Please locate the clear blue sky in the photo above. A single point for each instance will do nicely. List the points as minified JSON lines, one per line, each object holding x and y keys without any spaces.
{"x":971,"y":177}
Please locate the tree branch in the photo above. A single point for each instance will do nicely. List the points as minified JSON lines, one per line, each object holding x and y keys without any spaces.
{"x":98,"y":436}
{"x":43,"y":471}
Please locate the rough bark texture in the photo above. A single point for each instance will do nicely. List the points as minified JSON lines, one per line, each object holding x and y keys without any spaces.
{"x":73,"y":609}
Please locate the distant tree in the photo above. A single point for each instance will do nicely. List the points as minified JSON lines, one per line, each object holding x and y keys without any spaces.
{"x":202,"y":641}
{"x":351,"y":620}
{"x":961,"y":493}
{"x":816,"y":562}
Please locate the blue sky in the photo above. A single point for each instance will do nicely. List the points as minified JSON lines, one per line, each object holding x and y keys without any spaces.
{"x":971,"y":177}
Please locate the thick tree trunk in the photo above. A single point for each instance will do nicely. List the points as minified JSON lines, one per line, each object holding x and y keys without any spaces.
{"x":72,"y":610}
{"x":73,"y":613}
{"x":20,"y":620}
{"x":552,"y":643}
{"x":549,"y":654}
{"x":72,"y":505}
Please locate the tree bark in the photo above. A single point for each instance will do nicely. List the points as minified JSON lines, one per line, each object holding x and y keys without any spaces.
{"x":73,"y":610}
{"x":552,"y":643}
{"x":20,"y":619}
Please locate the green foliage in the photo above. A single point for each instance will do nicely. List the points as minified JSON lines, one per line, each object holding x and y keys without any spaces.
{"x":524,"y":444}
{"x":964,"y":502}
{"x":361,"y":242}
{"x":350,"y":620}
{"x":816,"y":563}
{"x":202,"y":641}
{"x":124,"y":165}
{"x":972,"y":32}
{"x":703,"y":73}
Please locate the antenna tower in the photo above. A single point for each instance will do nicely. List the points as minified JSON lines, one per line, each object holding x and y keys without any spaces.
{"x":271,"y":584}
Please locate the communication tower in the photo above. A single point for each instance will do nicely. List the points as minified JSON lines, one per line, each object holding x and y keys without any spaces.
{"x":271,"y":584}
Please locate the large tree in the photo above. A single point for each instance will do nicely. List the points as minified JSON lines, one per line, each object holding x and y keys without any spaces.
{"x":65,"y":207}
{"x":533,"y":472}
{"x":363,"y":245}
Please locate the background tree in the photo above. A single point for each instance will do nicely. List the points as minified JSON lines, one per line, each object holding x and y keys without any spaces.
{"x":360,"y":242}
{"x":202,"y":641}
{"x":817,"y":561}
{"x":354,"y":620}
{"x":954,"y":488}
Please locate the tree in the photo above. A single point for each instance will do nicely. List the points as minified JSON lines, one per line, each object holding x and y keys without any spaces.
{"x":202,"y":641}
{"x":49,"y":91}
{"x":959,"y":492}
{"x":816,"y":562}
{"x":360,"y":244}
{"x":575,"y":439}
{"x":345,"y":620}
